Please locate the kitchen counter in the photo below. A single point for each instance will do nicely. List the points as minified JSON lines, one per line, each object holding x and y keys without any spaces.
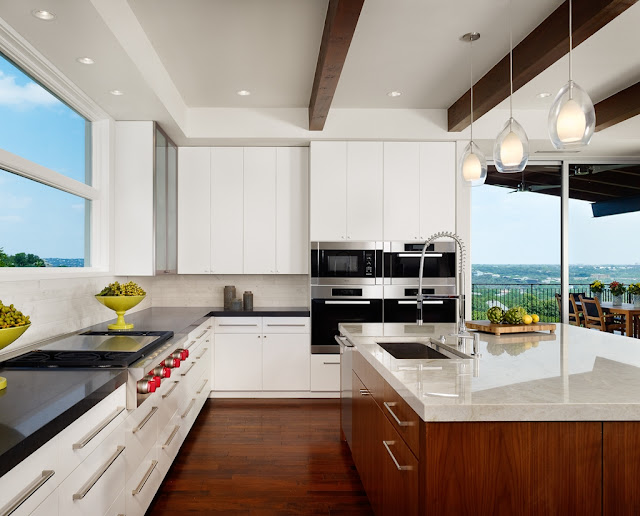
{"x":258,"y":311}
{"x":575,"y":374}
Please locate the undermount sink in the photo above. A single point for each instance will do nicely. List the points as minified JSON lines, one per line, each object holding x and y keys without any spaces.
{"x":411,"y":350}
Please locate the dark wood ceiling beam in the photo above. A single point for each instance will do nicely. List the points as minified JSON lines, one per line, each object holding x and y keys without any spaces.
{"x":339,"y":26}
{"x":545,"y":45}
{"x":619,"y":107}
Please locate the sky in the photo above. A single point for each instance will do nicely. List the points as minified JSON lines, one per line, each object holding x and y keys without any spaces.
{"x":524,"y":228}
{"x":37,"y":126}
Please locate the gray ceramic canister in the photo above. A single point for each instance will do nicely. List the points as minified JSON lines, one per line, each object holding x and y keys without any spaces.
{"x":229,"y":295}
{"x":247,"y":299}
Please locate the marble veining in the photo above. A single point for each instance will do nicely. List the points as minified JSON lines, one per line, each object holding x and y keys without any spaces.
{"x":573,"y":375}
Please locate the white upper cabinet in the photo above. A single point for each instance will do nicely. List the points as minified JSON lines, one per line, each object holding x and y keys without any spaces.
{"x":346,"y":191}
{"x":364,"y":191}
{"x":401,"y":191}
{"x":227,"y":207}
{"x":259,"y":210}
{"x":194,"y":210}
{"x":437,"y":188}
{"x":292,"y":210}
{"x":328,"y":191}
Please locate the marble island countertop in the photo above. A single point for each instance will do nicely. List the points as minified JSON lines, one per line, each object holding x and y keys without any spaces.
{"x":573,"y":375}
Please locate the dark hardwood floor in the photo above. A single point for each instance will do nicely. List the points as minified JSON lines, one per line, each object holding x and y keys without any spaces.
{"x":263,"y":457}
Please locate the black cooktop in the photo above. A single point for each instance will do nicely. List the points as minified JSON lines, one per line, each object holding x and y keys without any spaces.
{"x":94,"y":349}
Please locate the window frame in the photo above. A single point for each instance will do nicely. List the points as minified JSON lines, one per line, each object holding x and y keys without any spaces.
{"x":24,"y":56}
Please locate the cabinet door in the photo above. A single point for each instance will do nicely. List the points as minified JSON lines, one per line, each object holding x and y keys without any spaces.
{"x":437,"y":188}
{"x":194,"y":210}
{"x":364,"y":191}
{"x":328,"y":192}
{"x":285,"y":362}
{"x":292,"y":210}
{"x":259,"y":210}
{"x":227,"y":210}
{"x":401,"y":191}
{"x":238,"y":362}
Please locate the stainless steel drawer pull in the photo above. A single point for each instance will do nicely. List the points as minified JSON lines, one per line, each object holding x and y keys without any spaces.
{"x":145,"y":420}
{"x":302,"y":325}
{"x":98,"y":475}
{"x":388,"y":405}
{"x":189,"y":407}
{"x":202,"y":354}
{"x":395,"y":461}
{"x":331,"y":363}
{"x":190,"y":344}
{"x":365,"y":392}
{"x":173,"y":434}
{"x":347,"y":302}
{"x":221,"y":324}
{"x":138,"y":489}
{"x":201,"y":388}
{"x":201,"y":335}
{"x":24,"y":495}
{"x":168,"y":393}
{"x":81,"y":444}
{"x":193,"y":364}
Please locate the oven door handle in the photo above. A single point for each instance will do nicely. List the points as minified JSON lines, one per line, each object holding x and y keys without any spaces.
{"x":347,"y":302}
{"x":418,"y":255}
{"x":415,"y":302}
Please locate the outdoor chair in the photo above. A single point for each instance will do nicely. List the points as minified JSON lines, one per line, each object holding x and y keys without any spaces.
{"x":575,"y":315}
{"x":594,"y":316}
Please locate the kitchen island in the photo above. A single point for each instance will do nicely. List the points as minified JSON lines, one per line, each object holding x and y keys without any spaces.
{"x":537,"y":424}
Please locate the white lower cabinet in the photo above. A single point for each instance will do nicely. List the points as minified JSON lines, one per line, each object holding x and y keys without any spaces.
{"x":238,"y":362}
{"x":142,"y":484}
{"x":325,"y":373}
{"x":47,"y":508}
{"x":118,"y":507}
{"x":285,"y":362}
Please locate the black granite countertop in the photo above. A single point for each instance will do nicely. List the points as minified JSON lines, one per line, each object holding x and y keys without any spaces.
{"x":262,"y":311}
{"x":39,"y":403}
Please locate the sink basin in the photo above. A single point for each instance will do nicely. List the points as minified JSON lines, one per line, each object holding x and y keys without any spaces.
{"x":410,"y":350}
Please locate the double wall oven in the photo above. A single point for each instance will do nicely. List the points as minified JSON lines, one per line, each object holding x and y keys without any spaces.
{"x":374,"y":282}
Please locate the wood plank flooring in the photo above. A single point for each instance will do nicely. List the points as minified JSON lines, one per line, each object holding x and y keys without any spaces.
{"x":263,"y":457}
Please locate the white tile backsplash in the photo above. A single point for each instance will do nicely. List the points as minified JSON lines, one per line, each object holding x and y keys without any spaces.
{"x":65,"y":305}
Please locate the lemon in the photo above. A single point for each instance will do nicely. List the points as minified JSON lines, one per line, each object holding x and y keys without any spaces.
{"x":535,"y":317}
{"x":527,"y":319}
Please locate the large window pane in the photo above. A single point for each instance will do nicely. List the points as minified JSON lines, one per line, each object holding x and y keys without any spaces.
{"x":38,"y":220}
{"x":41,"y":128}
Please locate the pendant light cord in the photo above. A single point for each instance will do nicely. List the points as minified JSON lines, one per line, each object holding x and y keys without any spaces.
{"x":471,"y":67}
{"x":510,"y":61}
{"x":570,"y":43}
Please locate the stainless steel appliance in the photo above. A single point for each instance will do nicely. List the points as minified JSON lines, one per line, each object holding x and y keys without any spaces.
{"x":346,"y":401}
{"x":402,"y":263}
{"x":331,"y":305}
{"x":346,"y":263}
{"x":439,"y":304}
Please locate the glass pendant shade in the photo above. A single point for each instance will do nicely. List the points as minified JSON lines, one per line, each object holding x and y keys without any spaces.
{"x":473,"y":165}
{"x":572,"y":118}
{"x":511,"y":148}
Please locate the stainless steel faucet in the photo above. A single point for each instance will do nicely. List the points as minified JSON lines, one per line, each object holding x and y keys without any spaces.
{"x":460,"y":284}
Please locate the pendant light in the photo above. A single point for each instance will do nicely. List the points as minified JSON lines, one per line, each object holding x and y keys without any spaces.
{"x":473,"y":164}
{"x":511,"y":148}
{"x":572,"y":118}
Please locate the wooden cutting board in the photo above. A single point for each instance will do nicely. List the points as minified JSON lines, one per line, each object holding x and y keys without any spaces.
{"x":499,"y":329}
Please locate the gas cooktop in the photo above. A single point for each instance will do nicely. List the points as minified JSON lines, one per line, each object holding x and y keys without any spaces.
{"x":94,"y":349}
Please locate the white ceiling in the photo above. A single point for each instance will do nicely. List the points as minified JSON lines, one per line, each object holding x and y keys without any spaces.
{"x":180,"y":62}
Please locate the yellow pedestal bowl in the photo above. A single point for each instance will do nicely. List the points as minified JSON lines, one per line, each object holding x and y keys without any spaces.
{"x":120,"y":304}
{"x":7,"y":336}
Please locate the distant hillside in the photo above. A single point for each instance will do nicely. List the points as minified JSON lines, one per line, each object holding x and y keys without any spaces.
{"x":545,"y":274}
{"x":64,"y":262}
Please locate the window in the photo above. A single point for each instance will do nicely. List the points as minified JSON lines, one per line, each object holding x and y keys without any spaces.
{"x":45,"y":176}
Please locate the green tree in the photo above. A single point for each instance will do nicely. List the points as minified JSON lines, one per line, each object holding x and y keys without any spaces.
{"x":4,"y":259}
{"x":20,"y":260}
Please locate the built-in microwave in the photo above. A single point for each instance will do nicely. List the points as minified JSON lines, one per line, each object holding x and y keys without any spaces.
{"x":346,"y":263}
{"x":400,"y":304}
{"x":402,"y":261}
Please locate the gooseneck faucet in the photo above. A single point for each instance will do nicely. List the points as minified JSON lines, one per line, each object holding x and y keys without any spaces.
{"x":462,"y":328}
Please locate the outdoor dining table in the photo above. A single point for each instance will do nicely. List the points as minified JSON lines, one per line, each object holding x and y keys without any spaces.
{"x":630,"y":312}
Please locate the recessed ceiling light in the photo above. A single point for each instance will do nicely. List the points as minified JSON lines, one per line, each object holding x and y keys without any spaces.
{"x":543,"y":95}
{"x":394,"y":94}
{"x":243,"y":93}
{"x":41,"y":14}
{"x":85,"y":60}
{"x":117,"y":93}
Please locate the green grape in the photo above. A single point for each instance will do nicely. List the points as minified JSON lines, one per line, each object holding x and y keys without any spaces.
{"x":11,"y":317}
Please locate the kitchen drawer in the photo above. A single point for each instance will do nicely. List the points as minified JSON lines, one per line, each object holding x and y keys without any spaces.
{"x":192,"y":415}
{"x":143,"y":484}
{"x":171,"y":398}
{"x":84,"y":435}
{"x":203,"y":364}
{"x":403,"y":418}
{"x":118,"y":507}
{"x":238,"y":325}
{"x":141,"y":433}
{"x":200,"y":331}
{"x":98,"y":480}
{"x":369,"y":377}
{"x":199,"y":345}
{"x":169,"y":442}
{"x":39,"y":474}
{"x":49,"y":507}
{"x":325,"y":373}
{"x":286,"y":325}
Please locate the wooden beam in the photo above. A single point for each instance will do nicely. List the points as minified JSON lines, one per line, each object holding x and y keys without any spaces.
{"x":339,"y":26}
{"x":619,"y":107}
{"x":545,"y":45}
